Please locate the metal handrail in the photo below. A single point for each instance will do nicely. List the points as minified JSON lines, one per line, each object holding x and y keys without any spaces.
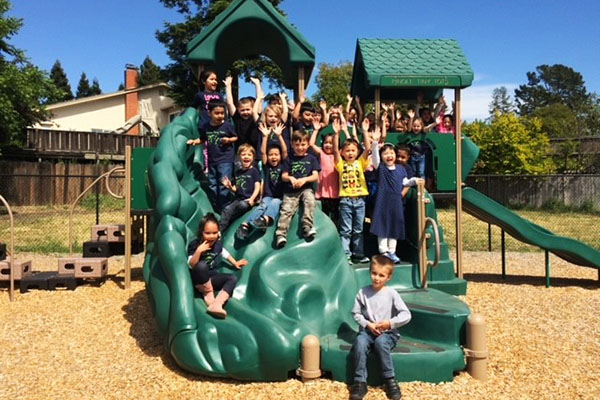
{"x":12,"y":248}
{"x":436,"y":234}
{"x":104,"y":175}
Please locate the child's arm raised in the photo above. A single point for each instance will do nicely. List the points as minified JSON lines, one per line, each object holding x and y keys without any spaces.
{"x":383,"y":128}
{"x":279,"y":132}
{"x":265,"y":138}
{"x":229,"y":94}
{"x":296,"y":112}
{"x":284,"y":107}
{"x":323,"y":106}
{"x":260,"y":95}
{"x":349,"y":103}
{"x":313,"y":138}
{"x":359,"y":109}
{"x":366,"y":138}
{"x":336,"y":141}
{"x":258,"y":106}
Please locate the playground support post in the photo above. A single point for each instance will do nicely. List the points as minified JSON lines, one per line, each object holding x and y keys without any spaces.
{"x":377,"y":104}
{"x":503,"y":249}
{"x":459,"y":183}
{"x":301,"y":83}
{"x":12,"y":249}
{"x":421,"y":230}
{"x":310,"y":359}
{"x":127,"y":217}
{"x":547,"y":259}
{"x":476,"y":348}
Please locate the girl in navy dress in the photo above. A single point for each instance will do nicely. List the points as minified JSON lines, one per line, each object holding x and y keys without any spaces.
{"x":388,"y":217}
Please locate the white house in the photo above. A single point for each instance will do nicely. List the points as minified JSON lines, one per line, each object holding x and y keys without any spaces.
{"x":122,"y":111}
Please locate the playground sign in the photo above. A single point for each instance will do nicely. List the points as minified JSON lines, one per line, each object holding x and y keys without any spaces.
{"x":419,"y":81}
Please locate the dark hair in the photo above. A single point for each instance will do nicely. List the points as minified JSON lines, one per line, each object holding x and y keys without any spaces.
{"x":210,"y":217}
{"x":330,"y":134}
{"x":449,"y":116}
{"x":386,"y":147}
{"x":247,"y":99}
{"x":274,"y":146}
{"x":215,"y":104}
{"x":383,"y":261}
{"x":204,"y":76}
{"x":299,"y":136}
{"x":403,"y":147}
{"x":306,"y":106}
{"x":351,"y":141}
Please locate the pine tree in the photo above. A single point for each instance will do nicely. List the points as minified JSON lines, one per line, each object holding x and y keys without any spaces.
{"x":95,"y":89}
{"x":150,"y":73}
{"x":59,"y":77}
{"x":501,"y":102}
{"x":83,"y":88}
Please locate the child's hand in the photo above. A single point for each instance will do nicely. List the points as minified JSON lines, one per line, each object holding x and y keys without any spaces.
{"x":242,"y":263}
{"x":349,"y":97}
{"x":299,"y":183}
{"x":279,"y":129}
{"x":255,"y":81}
{"x":293,"y":181}
{"x":376,"y":135}
{"x":263,"y":129}
{"x":316,"y":125}
{"x":226,"y":182}
{"x":227,"y":81}
{"x":282,"y":96}
{"x":226,"y":140}
{"x":202,"y":247}
{"x":251,"y":202}
{"x":373,"y":328}
{"x":323,"y":104}
{"x":411,"y":113}
{"x":383,"y":326}
{"x":302,"y":98}
{"x":193,"y":142}
{"x":336,"y":126}
{"x":365,"y":125}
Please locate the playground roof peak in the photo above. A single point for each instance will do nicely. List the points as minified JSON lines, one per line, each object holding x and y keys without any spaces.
{"x":248,"y":28}
{"x":402,"y":66}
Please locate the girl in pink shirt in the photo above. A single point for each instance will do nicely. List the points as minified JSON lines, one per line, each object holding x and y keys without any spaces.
{"x":328,"y":189}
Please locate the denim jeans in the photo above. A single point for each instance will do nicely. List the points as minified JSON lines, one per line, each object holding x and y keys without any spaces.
{"x":269,"y":206}
{"x":417,"y":162}
{"x":352,"y":216}
{"x":383,"y":345}
{"x":215,"y":175}
{"x":232,"y":211}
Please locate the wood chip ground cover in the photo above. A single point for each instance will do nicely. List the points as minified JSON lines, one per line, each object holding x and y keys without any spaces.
{"x":100,"y":342}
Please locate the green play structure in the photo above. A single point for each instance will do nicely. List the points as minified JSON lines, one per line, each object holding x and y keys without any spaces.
{"x":308,"y":287}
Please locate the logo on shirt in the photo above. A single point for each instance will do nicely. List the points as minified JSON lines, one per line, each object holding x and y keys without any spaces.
{"x":351,"y":176}
{"x":299,"y":168}
{"x":214,"y":137}
{"x":241,"y":182}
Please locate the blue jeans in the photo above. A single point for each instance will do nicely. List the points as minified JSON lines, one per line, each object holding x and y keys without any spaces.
{"x":383,"y":345}
{"x":417,"y":162}
{"x":269,"y":206}
{"x":215,"y":175}
{"x":352,"y":216}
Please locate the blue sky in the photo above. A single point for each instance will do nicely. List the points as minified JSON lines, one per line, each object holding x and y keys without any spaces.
{"x":502,"y":40}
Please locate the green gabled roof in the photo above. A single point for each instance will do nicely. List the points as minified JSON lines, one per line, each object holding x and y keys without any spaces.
{"x":249,"y":28}
{"x":401,"y":67}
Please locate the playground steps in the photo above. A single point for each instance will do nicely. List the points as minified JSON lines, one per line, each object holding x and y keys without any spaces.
{"x":21,"y":269}
{"x":432,"y":338}
{"x":109,"y":240}
{"x":86,"y":267}
{"x":47,"y":281}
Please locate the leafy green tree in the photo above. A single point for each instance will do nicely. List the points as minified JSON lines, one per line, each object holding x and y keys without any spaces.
{"x":150,"y":73}
{"x":510,"y":145}
{"x":59,"y":77}
{"x":558,"y":120}
{"x":198,"y":14}
{"x":501,"y":102}
{"x":83,"y":87}
{"x":23,"y":87}
{"x":95,"y":88}
{"x":333,"y":82}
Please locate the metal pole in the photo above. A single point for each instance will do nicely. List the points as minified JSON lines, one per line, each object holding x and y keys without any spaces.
{"x":547,"y":257}
{"x":503,"y":246}
{"x":489,"y":237}
{"x":457,"y":123}
{"x":127,"y":217}
{"x":97,"y":193}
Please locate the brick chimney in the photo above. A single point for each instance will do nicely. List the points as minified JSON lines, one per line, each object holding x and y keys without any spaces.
{"x":132,"y":105}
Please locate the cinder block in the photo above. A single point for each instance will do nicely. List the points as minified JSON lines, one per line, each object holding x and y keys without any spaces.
{"x":96,"y":249}
{"x":21,"y":269}
{"x":100,"y":233}
{"x":66,"y":265}
{"x":116,"y":233}
{"x":91,"y":267}
{"x":2,"y":251}
{"x":62,"y":281}
{"x":37,"y":280}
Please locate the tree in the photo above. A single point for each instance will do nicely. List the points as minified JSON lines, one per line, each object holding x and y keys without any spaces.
{"x":198,"y":14}
{"x":149,"y":73}
{"x":95,"y":88}
{"x":558,"y":120}
{"x":83,"y":87}
{"x":510,"y":145}
{"x":501,"y":102}
{"x":23,"y":87}
{"x":333,"y":82}
{"x":59,"y":77}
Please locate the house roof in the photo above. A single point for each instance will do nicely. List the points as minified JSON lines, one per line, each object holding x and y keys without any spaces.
{"x":402,"y":67}
{"x":104,"y":96}
{"x":262,"y":30}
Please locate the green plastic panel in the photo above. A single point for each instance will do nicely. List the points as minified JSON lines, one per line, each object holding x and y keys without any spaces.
{"x":282,"y":295}
{"x":140,"y":198}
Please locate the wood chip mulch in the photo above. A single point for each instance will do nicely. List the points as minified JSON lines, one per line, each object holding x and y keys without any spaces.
{"x":100,"y":342}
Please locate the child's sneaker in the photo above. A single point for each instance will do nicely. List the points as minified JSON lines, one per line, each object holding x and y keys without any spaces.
{"x":358,"y":259}
{"x":358,"y":390}
{"x":394,"y":258}
{"x":280,"y":242}
{"x":261,"y":223}
{"x":242,"y":232}
{"x":310,"y":233}
{"x":391,"y":388}
{"x":349,"y":258}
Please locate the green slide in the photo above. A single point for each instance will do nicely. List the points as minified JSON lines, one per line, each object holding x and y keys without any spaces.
{"x":282,"y":295}
{"x":486,"y":209}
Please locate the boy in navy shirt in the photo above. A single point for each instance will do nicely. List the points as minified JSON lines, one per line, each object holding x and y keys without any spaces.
{"x":299,"y":171}
{"x":218,"y":136}
{"x":246,"y":187}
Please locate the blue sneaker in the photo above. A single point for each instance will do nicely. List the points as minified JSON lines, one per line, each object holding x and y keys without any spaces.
{"x":394,"y":258}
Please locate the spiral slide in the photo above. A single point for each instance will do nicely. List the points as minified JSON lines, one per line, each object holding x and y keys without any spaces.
{"x":281,"y":296}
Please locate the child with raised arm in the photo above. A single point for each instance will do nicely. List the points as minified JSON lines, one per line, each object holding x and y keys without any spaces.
{"x":208,"y":92}
{"x":379,"y":312}
{"x":267,"y":211}
{"x":245,"y":115}
{"x":299,"y":171}
{"x":350,"y":165}
{"x":302,"y":116}
{"x":274,"y":115}
{"x":246,"y":187}
{"x":329,"y":185}
{"x":218,"y":136}
{"x":204,"y":255}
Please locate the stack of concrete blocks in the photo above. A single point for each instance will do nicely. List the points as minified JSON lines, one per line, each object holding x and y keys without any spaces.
{"x":21,"y":269}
